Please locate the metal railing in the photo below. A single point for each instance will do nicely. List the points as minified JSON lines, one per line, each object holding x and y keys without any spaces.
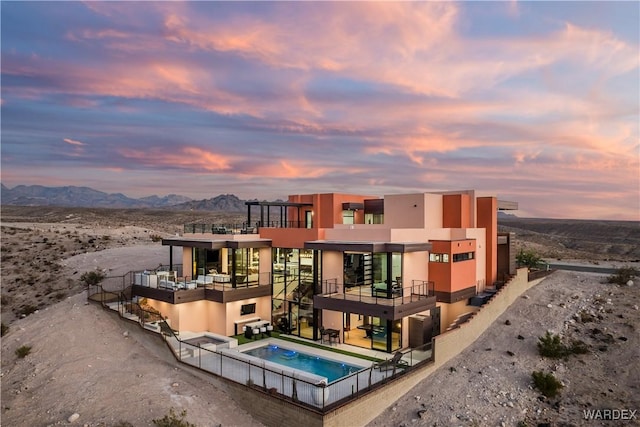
{"x":289,"y":386}
{"x":176,"y":282}
{"x":419,"y":289}
{"x":235,"y":366}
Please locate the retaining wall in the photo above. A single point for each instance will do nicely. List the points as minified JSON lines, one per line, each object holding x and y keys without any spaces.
{"x":446,"y":346}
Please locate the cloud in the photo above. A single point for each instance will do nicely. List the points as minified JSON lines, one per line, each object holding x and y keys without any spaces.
{"x":74,"y":142}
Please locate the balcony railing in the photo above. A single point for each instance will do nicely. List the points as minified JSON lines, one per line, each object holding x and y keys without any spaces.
{"x":221,"y":228}
{"x":172,"y":281}
{"x":369,"y":293}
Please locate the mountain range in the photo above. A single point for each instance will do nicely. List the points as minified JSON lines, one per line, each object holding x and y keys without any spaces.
{"x":86,"y":197}
{"x":72,"y":196}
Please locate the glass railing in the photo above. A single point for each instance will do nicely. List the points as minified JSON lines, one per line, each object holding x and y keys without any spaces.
{"x":369,"y":293}
{"x":221,"y":228}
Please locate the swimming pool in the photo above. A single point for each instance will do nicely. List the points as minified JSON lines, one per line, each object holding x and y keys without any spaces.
{"x":330,"y":369}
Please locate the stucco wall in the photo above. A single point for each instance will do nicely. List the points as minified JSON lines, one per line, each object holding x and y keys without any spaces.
{"x":263,"y":311}
{"x":448,"y":344}
{"x":332,"y":266}
{"x":415,"y":267}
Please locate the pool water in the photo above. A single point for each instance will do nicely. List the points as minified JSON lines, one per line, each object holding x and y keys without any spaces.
{"x":330,"y":369}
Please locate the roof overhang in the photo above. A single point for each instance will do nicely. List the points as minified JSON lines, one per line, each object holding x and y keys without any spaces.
{"x":373,"y":247}
{"x":352,"y":206}
{"x":217,"y":244}
{"x":506,"y":205}
{"x":284,"y":204}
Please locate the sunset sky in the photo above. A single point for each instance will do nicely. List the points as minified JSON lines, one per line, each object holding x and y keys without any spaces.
{"x":536,"y":102}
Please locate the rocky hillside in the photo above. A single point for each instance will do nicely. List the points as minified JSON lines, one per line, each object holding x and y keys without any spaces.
{"x":580,"y":239}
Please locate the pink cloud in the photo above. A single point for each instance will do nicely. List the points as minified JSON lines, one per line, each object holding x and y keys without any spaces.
{"x":190,"y":158}
{"x":73,"y":142}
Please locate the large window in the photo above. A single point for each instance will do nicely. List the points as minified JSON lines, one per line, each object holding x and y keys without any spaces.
{"x":205,"y":261}
{"x":293,"y":290}
{"x":356,"y":266}
{"x":247,"y":261}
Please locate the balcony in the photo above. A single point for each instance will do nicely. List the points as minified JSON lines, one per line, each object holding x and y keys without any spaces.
{"x":371,"y":301}
{"x":218,"y":287}
{"x":221,"y":228}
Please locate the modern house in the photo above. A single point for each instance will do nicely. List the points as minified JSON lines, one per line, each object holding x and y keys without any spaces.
{"x":380,"y":273}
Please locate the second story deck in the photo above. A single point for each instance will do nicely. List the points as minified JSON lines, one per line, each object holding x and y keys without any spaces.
{"x":371,"y":300}
{"x":168,"y":286}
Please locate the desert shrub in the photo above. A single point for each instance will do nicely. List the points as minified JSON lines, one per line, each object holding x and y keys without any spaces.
{"x":155,"y":237}
{"x":623,"y":275}
{"x":528,"y":258}
{"x":173,"y":420}
{"x":552,"y":346}
{"x":27,"y":309}
{"x":23,"y":351}
{"x":92,"y":278}
{"x":578,"y":347}
{"x":3,"y":329}
{"x":546,"y":383}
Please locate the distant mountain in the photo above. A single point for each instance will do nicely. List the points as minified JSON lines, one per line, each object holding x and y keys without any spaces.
{"x":504,"y":215}
{"x":38,"y":195}
{"x":223,"y":202}
{"x":85,"y":197}
{"x":170,"y":200}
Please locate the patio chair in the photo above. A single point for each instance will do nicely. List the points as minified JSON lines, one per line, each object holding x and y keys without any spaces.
{"x":269,"y":329}
{"x":323,"y":332}
{"x":393,"y":363}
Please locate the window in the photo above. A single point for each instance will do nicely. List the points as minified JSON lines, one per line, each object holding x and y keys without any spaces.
{"x":347,"y":217}
{"x":463,"y":257}
{"x":248,"y":309}
{"x":373,"y":218}
{"x":439,"y":257}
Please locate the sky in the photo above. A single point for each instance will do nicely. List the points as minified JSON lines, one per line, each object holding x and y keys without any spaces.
{"x":534,"y":102}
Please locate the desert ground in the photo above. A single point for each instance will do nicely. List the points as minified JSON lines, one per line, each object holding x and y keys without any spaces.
{"x":86,"y":361}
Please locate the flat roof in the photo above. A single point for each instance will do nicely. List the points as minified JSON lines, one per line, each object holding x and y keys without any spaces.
{"x":284,"y":204}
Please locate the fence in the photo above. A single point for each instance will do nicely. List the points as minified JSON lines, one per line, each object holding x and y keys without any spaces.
{"x":306,"y":389}
{"x":302,"y":388}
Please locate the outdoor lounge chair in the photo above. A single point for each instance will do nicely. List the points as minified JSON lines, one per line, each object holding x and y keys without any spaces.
{"x":393,"y":363}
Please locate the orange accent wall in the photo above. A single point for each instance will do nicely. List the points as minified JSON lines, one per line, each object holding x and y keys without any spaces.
{"x":453,"y":276}
{"x":455,"y":211}
{"x":488,"y":219}
{"x":463,"y":273}
{"x":327,"y":208}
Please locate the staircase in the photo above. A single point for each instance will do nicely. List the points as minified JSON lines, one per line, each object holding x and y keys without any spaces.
{"x":367,"y":264}
{"x":460,"y":320}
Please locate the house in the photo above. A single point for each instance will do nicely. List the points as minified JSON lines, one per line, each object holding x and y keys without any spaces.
{"x":382,"y":273}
